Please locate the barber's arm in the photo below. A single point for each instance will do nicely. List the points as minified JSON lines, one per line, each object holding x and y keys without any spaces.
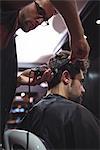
{"x":79,"y":45}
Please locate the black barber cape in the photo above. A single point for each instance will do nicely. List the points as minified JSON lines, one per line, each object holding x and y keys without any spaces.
{"x":63,"y":124}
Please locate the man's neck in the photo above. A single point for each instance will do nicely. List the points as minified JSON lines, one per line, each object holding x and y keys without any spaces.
{"x":59,"y":89}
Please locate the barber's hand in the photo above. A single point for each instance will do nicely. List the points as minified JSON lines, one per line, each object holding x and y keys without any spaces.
{"x":23,"y":79}
{"x":80,"y":49}
{"x":47,"y":76}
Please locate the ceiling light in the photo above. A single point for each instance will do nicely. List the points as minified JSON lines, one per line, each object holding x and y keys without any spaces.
{"x":22,"y":94}
{"x":44,"y":84}
{"x":98,"y":21}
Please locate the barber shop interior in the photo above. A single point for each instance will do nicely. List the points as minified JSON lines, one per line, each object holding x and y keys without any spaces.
{"x":44,"y":112}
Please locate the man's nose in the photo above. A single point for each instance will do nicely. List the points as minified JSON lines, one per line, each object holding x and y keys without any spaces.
{"x":82,"y":89}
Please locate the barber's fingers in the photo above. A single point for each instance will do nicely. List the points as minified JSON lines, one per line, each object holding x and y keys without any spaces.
{"x":80,"y":50}
{"x":24,"y":80}
{"x":28,"y":73}
{"x":29,"y":77}
{"x":47,"y":75}
{"x":79,"y":54}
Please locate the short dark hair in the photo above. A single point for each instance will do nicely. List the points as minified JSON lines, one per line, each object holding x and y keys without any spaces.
{"x":61,"y":62}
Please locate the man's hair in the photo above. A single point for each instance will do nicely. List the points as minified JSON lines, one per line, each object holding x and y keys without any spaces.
{"x":61,"y":62}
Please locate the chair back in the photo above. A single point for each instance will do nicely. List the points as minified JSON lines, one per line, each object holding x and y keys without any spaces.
{"x":25,"y":139}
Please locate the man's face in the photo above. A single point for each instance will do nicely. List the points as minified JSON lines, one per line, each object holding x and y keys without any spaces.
{"x":31,"y":23}
{"x":76,"y":88}
{"x":33,"y":15}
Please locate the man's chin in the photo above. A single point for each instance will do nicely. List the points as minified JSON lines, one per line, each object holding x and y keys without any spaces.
{"x":27,"y":30}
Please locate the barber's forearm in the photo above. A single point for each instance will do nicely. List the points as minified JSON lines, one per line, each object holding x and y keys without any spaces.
{"x":68,"y":9}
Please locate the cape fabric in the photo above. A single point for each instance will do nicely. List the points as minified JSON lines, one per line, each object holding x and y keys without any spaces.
{"x":63,"y":124}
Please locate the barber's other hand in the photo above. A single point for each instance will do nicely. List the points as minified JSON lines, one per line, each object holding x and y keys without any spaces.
{"x":46,"y":76}
{"x":80,"y":49}
{"x":23,"y":79}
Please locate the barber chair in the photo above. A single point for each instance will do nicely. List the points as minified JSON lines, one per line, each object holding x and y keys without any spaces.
{"x":14,"y":138}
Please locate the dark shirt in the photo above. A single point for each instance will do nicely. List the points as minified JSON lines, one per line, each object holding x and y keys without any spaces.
{"x":62,"y":124}
{"x":8,"y":58}
{"x":8,"y":62}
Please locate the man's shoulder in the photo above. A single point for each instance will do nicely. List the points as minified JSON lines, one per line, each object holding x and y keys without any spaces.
{"x":62,"y":109}
{"x":57,"y":102}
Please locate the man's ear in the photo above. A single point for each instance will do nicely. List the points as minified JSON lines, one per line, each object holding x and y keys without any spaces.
{"x":65,"y":77}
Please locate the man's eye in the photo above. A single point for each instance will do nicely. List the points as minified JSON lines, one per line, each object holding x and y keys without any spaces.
{"x":82,"y":81}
